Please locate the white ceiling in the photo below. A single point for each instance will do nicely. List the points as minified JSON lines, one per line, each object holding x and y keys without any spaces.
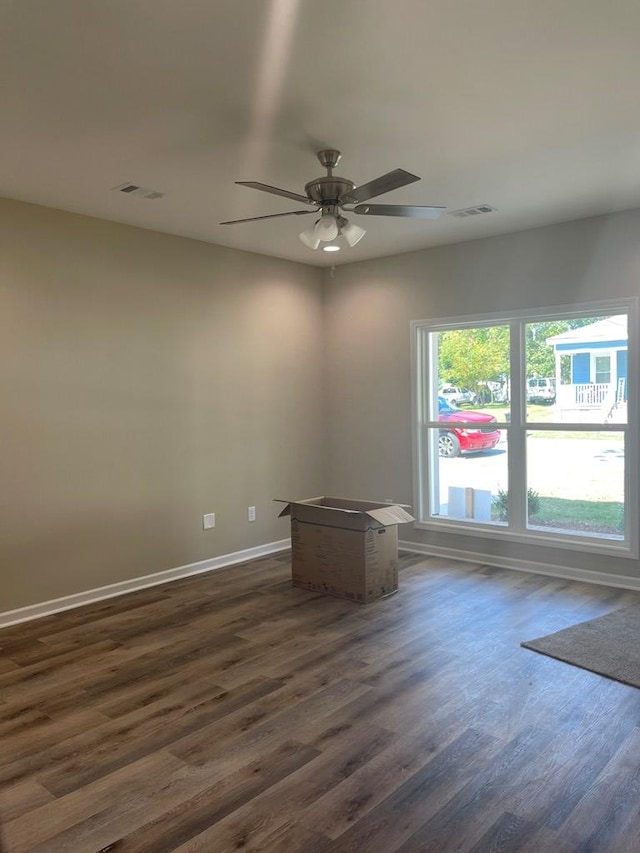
{"x":528,"y":105}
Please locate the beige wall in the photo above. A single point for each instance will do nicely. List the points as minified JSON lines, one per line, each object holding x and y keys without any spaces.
{"x":144,"y":380}
{"x":369,"y":307}
{"x":147,"y":379}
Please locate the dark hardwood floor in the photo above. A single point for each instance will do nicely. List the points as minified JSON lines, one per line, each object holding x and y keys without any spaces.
{"x":230,"y":712}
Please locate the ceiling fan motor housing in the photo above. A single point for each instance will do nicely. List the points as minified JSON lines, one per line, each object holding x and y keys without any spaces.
{"x":329,"y":189}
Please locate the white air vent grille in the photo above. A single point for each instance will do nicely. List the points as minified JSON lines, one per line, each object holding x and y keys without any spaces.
{"x":478,"y":210}
{"x":133,"y":189}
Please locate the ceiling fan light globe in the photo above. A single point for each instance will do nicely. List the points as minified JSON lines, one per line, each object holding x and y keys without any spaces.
{"x":352,"y":233}
{"x":310,"y":238}
{"x":326,"y":228}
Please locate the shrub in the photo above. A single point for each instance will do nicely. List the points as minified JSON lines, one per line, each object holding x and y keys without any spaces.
{"x":500,"y":504}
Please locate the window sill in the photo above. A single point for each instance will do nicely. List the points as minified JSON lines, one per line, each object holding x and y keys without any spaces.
{"x":597,"y":545}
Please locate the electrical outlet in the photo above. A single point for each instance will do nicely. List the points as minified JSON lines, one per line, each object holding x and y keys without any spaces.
{"x":208,"y":521}
{"x":251,"y":514}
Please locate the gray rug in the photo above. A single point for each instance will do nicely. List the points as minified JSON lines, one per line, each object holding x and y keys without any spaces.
{"x":609,"y":645}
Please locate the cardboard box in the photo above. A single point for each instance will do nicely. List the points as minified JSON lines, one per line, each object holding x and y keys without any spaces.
{"x":346,"y":548}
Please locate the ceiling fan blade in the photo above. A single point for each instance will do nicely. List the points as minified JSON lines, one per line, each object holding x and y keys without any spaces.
{"x":383,"y":184}
{"x":268,"y":216}
{"x":417,"y":211}
{"x":266,"y":188}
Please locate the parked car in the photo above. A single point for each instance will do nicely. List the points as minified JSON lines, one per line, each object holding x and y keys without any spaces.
{"x":455,"y":395}
{"x":541,"y":390}
{"x":453,"y":440}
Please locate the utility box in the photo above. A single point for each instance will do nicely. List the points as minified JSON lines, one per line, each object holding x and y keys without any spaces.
{"x":465,"y":502}
{"x":347,"y":548}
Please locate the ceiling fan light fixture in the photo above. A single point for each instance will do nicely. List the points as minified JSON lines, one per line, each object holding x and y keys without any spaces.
{"x":326,"y":227}
{"x":310,"y":238}
{"x":324,"y":230}
{"x":352,"y":233}
{"x":331,"y":247}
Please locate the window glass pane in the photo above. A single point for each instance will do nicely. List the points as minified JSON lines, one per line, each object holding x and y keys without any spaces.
{"x":468,"y":472}
{"x":576,"y":370}
{"x":603,"y":368}
{"x":575,"y":483}
{"x":473,"y":368}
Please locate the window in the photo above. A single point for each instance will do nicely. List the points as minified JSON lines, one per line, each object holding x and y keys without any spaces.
{"x":603,"y":368}
{"x":524,"y":427}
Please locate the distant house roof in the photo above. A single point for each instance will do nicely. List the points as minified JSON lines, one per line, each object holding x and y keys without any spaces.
{"x":611,"y":330}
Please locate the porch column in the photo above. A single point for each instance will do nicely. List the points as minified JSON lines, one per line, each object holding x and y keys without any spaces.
{"x":558,"y":387}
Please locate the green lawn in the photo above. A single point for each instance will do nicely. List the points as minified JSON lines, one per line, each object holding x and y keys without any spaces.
{"x":605,"y":517}
{"x":538,"y":413}
{"x":578,"y":515}
{"x":567,"y":514}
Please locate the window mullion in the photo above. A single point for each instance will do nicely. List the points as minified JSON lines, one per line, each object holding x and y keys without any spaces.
{"x":517,"y":444}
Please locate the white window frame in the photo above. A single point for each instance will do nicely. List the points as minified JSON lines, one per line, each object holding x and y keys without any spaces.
{"x":424,"y":389}
{"x":594,"y":364}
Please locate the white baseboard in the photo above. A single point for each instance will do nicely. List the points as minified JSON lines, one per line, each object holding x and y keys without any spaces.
{"x":564,"y":572}
{"x":91,"y":596}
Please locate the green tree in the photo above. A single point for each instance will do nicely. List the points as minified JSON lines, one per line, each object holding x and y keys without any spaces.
{"x":540,"y":354}
{"x":468,"y":357}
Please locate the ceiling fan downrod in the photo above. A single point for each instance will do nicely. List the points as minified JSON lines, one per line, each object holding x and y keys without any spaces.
{"x":329,"y":158}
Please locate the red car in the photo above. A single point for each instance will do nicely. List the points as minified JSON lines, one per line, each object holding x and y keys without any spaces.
{"x":454,"y":440}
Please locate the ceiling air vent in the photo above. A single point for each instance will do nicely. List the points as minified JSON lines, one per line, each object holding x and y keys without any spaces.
{"x":466,"y":212}
{"x":141,"y":192}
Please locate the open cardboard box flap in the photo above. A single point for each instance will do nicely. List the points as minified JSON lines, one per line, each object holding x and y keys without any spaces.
{"x":386,"y":514}
{"x":287,"y":510}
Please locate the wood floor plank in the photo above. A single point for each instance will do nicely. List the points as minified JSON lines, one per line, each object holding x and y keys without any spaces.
{"x":21,"y":798}
{"x":142,"y":733}
{"x":209,"y":649}
{"x":127,"y":829}
{"x":49,"y":627}
{"x":27,"y":752}
{"x":250,"y":826}
{"x":56,"y":666}
{"x":141,"y":783}
{"x":576,"y":774}
{"x":620,"y":824}
{"x":403,"y":812}
{"x":217,"y":742}
{"x":473,"y":811}
{"x":358,"y":794}
{"x":507,"y":834}
{"x":606,"y":807}
{"x":229,"y":711}
{"x":545,"y":840}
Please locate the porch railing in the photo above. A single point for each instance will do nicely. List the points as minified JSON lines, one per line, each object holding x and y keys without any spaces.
{"x":583,"y":395}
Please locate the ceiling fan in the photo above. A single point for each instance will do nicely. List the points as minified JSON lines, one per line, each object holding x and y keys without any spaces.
{"x":330,"y":194}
